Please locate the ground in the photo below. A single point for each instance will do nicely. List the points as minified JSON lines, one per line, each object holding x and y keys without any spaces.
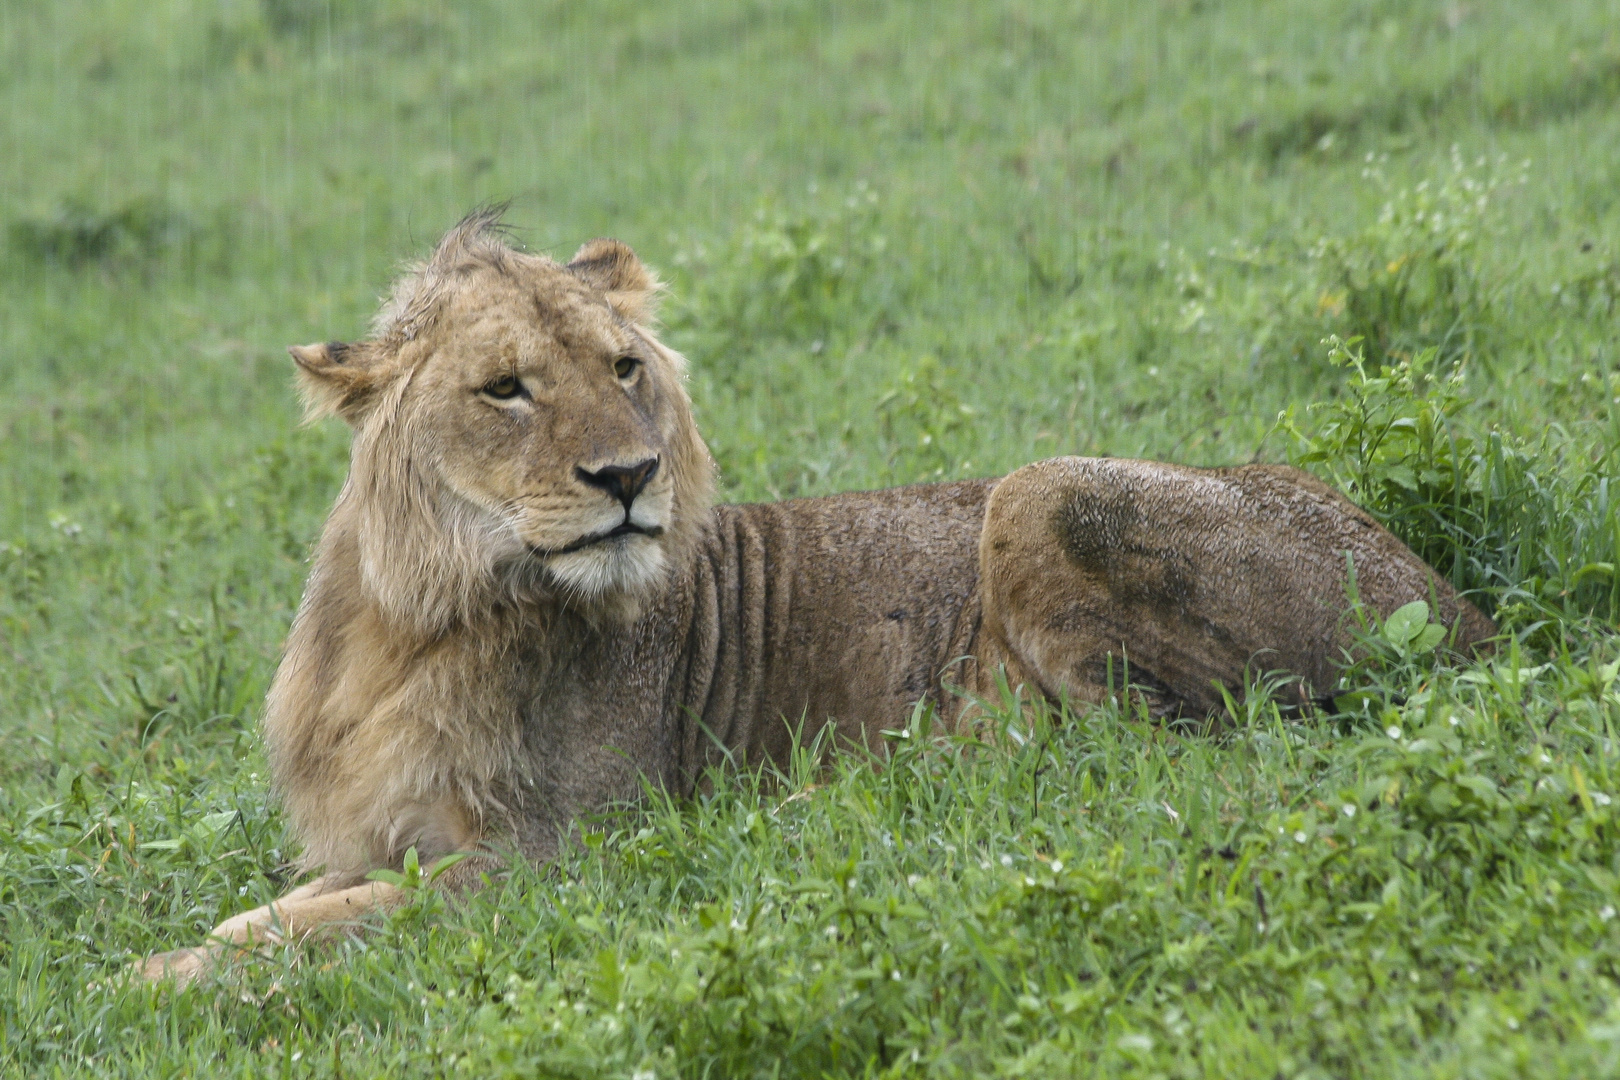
{"x":906,"y":241}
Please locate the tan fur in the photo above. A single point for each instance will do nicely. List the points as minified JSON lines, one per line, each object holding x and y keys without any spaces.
{"x":305,"y":914}
{"x":476,"y":663}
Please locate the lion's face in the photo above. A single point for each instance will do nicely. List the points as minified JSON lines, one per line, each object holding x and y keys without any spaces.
{"x":542,"y":429}
{"x":542,"y":406}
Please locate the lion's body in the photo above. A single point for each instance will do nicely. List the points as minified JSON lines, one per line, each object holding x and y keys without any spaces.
{"x":848,"y":607}
{"x":523,"y":605}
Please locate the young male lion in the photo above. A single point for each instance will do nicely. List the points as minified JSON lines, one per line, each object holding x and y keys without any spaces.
{"x":523,"y":601}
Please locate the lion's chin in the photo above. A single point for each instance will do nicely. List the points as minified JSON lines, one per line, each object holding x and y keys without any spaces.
{"x":619,"y":568}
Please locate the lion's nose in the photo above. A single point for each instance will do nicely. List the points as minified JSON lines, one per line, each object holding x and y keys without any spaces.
{"x":623,"y":482}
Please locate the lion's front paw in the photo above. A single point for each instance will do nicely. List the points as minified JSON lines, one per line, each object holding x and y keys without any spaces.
{"x":182,"y":966}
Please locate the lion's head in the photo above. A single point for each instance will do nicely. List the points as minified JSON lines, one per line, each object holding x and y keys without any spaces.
{"x":519,"y":433}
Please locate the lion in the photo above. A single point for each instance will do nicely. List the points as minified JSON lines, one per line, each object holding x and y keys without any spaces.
{"x":524,"y":603}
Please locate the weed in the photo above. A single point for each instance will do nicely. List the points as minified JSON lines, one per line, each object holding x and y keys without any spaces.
{"x":1529,"y":527}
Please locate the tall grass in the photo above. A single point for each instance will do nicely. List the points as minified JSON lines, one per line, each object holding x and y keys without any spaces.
{"x":1526,"y":526}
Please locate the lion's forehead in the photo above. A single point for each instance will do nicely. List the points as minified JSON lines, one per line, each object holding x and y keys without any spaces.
{"x":543,"y":292}
{"x":547,"y":320}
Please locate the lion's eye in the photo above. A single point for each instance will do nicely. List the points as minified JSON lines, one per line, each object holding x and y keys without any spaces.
{"x":503,"y":388}
{"x":625,"y":366}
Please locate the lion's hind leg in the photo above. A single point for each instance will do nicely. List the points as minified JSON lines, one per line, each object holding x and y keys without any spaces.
{"x":311,"y":911}
{"x":1194,"y":578}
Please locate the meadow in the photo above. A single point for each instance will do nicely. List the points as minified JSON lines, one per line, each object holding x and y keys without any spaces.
{"x":905,"y":241}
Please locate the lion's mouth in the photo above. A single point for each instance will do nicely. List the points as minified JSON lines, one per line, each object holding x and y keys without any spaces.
{"x":623,"y":528}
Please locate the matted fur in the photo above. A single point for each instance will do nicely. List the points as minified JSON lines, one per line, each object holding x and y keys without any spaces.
{"x":483,"y":653}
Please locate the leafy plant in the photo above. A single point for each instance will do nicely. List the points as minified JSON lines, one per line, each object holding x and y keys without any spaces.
{"x":1389,"y":441}
{"x":1387,"y":654}
{"x":1409,"y":631}
{"x":1530,"y":527}
{"x":410,"y":877}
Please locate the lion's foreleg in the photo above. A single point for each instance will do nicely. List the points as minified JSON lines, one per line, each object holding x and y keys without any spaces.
{"x":306,"y":913}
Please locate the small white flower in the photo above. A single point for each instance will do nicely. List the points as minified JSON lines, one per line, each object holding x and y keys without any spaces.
{"x":912,"y":880}
{"x":1545,"y":759}
{"x":1453,"y":721}
{"x":1392,"y":731}
{"x":1057,"y":864}
{"x":1607,"y":913}
{"x":1006,"y":860}
{"x":1601,"y":799}
{"x":1300,"y":837}
{"x":1349,"y":809}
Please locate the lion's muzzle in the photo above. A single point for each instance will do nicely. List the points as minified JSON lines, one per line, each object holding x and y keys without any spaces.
{"x":623,"y":482}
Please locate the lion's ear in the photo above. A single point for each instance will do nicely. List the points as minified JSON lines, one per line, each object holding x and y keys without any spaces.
{"x":335,"y":378}
{"x":609,"y":266}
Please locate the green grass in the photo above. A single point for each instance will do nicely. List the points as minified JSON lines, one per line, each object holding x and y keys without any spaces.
{"x":905,"y":241}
